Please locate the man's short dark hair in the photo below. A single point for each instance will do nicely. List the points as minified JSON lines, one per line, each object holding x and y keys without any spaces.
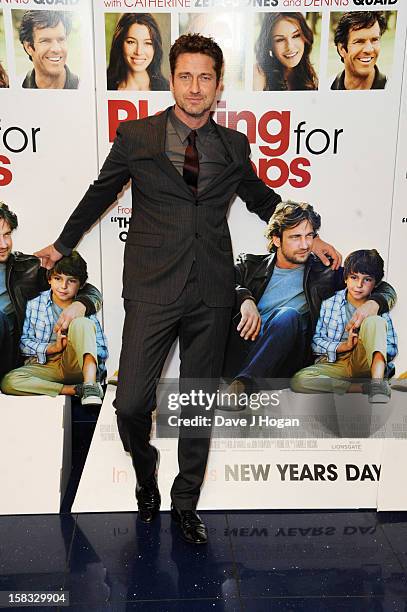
{"x":71,"y":265}
{"x":8,"y":216}
{"x":40,"y":20}
{"x":288,"y":215}
{"x":356,"y":20}
{"x":195,"y":43}
{"x":364,"y":261}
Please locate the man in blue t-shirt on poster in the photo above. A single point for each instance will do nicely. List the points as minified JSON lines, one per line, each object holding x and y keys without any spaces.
{"x":279,"y":296}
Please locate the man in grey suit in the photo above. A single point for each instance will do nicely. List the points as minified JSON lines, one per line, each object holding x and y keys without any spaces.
{"x":178,"y":263}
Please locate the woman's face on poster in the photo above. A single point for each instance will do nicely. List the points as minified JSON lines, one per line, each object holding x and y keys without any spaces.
{"x":138,"y":48}
{"x":287,"y":42}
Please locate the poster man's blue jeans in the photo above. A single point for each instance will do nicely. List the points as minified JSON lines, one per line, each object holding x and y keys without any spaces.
{"x":279,"y":350}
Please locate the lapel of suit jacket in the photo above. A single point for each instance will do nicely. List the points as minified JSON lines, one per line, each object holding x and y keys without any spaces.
{"x":156,"y":136}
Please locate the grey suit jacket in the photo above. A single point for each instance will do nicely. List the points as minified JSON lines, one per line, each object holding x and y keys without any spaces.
{"x":170,"y":227}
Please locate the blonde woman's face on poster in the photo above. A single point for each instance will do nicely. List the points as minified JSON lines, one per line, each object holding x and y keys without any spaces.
{"x":138,"y":48}
{"x":287,"y":43}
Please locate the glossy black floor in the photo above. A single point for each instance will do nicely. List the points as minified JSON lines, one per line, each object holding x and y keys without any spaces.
{"x":255,"y":561}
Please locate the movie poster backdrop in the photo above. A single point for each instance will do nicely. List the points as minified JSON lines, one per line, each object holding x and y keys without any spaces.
{"x":343,"y":151}
{"x":335,"y":149}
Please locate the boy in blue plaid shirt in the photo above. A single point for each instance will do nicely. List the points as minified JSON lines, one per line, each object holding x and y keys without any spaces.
{"x":55,"y":363}
{"x":344,"y":353}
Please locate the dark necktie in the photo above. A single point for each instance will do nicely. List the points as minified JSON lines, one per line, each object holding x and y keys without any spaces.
{"x":191,"y":163}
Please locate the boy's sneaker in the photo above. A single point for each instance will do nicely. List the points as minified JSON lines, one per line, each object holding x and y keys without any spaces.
{"x":379,"y":391}
{"x":91,"y":394}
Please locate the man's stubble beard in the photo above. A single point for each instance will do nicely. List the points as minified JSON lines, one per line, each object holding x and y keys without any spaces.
{"x":294,"y":260}
{"x":196,"y":115}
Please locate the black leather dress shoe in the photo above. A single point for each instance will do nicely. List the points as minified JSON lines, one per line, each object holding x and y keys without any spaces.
{"x":148,"y":496}
{"x":192,"y":528}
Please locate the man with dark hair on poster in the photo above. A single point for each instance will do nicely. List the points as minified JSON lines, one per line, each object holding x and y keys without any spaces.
{"x":279,"y":297}
{"x":178,"y":264}
{"x":44,"y":35}
{"x":21,"y":279}
{"x":357,"y":40}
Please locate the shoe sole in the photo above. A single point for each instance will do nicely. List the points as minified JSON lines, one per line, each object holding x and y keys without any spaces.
{"x":91,"y":401}
{"x":379,"y":399}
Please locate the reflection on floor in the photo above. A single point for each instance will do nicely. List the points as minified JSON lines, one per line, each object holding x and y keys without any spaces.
{"x":266,"y":561}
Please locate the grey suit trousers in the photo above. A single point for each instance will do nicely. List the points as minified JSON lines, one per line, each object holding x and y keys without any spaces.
{"x":149,"y":331}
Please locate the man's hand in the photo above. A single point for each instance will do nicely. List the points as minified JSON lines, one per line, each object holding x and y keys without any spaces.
{"x":49,"y":256}
{"x":323,"y":249}
{"x":250,"y":323}
{"x":350,"y":343}
{"x":59,"y":345}
{"x":75,"y":310}
{"x":368,"y":309}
